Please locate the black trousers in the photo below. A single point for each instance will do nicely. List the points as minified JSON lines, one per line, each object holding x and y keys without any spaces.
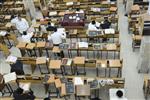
{"x":61,"y":54}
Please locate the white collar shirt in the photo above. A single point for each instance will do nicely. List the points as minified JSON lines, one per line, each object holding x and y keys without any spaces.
{"x":57,"y":37}
{"x":27,"y":38}
{"x":93,"y":27}
{"x":21,"y":25}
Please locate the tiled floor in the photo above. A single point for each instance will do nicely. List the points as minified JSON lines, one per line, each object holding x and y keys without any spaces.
{"x":133,"y":80}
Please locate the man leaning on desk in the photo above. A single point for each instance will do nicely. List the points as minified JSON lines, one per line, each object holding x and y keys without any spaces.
{"x":57,"y":38}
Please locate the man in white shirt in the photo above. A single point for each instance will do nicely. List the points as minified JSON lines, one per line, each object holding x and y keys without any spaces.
{"x":78,"y":10}
{"x":26,"y":37}
{"x":57,"y":37}
{"x":94,"y":26}
{"x":20,"y":23}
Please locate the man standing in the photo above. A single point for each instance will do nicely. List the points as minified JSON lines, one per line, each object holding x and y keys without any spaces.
{"x":57,"y":38}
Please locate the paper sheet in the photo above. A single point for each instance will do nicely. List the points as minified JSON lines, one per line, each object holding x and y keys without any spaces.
{"x":10,"y":77}
{"x":78,"y":81}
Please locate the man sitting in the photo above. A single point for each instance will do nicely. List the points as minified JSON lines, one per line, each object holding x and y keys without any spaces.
{"x":94,"y":26}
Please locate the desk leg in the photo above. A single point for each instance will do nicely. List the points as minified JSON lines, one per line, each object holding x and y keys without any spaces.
{"x":97,"y":72}
{"x":87,"y":54}
{"x":84,"y":70}
{"x":40,"y":52}
{"x":40,"y":69}
{"x":109,"y":72}
{"x":47,"y":53}
{"x":114,"y":54}
{"x":33,"y":68}
{"x":106,"y":54}
{"x":9,"y":42}
{"x":35,"y":52}
{"x":46,"y":86}
{"x":93,"y":54}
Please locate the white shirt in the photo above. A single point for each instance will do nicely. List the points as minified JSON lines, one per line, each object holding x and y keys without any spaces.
{"x":57,"y":37}
{"x":27,"y":38}
{"x":93,"y":27}
{"x":21,"y":25}
{"x":81,"y":11}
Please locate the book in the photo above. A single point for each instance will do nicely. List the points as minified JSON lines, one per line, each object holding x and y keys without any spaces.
{"x":11,"y":59}
{"x":109,"y":31}
{"x":67,"y":61}
{"x":25,"y":86}
{"x":69,"y":87}
{"x":10,"y":77}
{"x":78,"y":81}
{"x":97,"y":46}
{"x":72,"y":46}
{"x":83,"y":44}
{"x":52,"y":13}
{"x":3,"y":33}
{"x":69,"y":3}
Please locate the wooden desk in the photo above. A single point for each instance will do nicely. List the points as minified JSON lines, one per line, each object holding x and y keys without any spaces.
{"x":21,"y":45}
{"x":101,"y":64}
{"x":55,"y":64}
{"x":79,"y":60}
{"x":58,"y":83}
{"x":41,"y":60}
{"x":30,"y":46}
{"x":56,"y":49}
{"x":135,"y":8}
{"x":115,"y":64}
{"x":83,"y":90}
{"x":40,"y":44}
{"x":63,"y":89}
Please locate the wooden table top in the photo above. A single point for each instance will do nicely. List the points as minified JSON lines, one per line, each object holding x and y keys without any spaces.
{"x":30,"y":45}
{"x":103,"y":63}
{"x":56,"y":49}
{"x":79,"y":60}
{"x":55,"y":64}
{"x":83,"y":90}
{"x":115,"y":63}
{"x":21,"y":45}
{"x":58,"y":83}
{"x":41,"y":60}
{"x":40,"y":44}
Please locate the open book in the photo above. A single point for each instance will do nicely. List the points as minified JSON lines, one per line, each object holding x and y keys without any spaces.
{"x":83,"y":44}
{"x":78,"y":81}
{"x":10,"y":77}
{"x":109,"y":31}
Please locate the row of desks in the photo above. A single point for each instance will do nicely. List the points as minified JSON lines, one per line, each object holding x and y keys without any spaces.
{"x":73,"y":64}
{"x":67,"y":85}
{"x":108,"y":47}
